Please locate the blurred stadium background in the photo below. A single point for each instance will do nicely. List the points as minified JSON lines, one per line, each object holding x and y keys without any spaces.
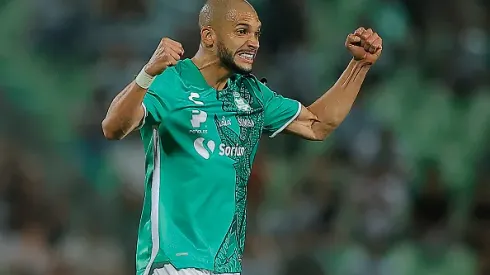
{"x":402,"y":187}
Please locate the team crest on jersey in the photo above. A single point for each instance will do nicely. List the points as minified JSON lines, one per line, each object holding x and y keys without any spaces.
{"x":240,"y":103}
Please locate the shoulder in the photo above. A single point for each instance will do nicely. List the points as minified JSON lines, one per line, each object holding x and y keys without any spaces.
{"x":169,"y":83}
{"x":260,"y":88}
{"x":167,"y":87}
{"x":170,"y":76}
{"x":252,"y":80}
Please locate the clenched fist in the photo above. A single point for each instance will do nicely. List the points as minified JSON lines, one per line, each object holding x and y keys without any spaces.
{"x":167,"y":54}
{"x":365,"y":45}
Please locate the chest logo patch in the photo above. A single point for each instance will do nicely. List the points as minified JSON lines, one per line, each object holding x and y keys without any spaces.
{"x":203,"y":148}
{"x":240,"y":103}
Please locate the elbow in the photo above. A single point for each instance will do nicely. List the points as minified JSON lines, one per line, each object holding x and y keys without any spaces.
{"x":109,"y":131}
{"x":323,"y":132}
{"x":324,"y":124}
{"x":322,"y":136}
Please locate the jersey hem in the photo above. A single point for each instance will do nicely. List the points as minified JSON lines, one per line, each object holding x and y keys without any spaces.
{"x":288,"y":122}
{"x":185,"y":265}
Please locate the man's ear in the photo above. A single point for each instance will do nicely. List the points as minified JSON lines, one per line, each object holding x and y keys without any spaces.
{"x":208,"y":37}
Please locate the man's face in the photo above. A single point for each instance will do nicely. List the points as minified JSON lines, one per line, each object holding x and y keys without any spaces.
{"x":238,"y":40}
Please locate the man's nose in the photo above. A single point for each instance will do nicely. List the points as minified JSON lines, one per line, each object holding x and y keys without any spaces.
{"x":254,"y":43}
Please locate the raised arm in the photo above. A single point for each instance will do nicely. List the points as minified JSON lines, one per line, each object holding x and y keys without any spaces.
{"x":127,"y":111}
{"x":321,"y":118}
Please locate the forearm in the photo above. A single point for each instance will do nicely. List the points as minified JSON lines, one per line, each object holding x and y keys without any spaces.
{"x":332,"y":107}
{"x":125,"y":112}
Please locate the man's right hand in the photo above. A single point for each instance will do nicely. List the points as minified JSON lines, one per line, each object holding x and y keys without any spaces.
{"x":167,"y":54}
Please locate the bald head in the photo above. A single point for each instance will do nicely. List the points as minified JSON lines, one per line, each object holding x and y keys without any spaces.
{"x":230,"y":31}
{"x":214,"y":12}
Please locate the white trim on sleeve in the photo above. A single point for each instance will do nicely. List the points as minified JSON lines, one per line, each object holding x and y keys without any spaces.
{"x":142,"y":122}
{"x":288,"y":122}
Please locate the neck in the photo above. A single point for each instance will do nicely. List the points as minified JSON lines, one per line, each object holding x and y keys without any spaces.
{"x":215,"y":74}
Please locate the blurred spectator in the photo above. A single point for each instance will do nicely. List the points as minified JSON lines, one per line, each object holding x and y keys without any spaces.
{"x":123,"y":9}
{"x":302,"y":265}
{"x":479,"y":222}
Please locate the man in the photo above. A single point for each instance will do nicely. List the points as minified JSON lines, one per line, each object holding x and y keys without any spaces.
{"x":201,"y":120}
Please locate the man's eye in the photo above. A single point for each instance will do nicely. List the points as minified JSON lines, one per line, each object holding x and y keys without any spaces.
{"x":241,"y":31}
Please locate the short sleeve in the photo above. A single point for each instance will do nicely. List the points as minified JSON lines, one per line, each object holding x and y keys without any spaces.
{"x":154,"y":103}
{"x":279,"y":111}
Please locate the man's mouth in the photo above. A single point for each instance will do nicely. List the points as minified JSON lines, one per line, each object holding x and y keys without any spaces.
{"x":247,"y":56}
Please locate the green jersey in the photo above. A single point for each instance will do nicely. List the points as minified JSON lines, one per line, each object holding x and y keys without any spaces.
{"x":200,"y":144}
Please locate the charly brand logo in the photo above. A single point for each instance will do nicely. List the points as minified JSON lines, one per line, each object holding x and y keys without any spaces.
{"x":203,"y":148}
{"x":245,"y":122}
{"x":197,"y":118}
{"x":240,"y":103}
{"x":194,"y":98}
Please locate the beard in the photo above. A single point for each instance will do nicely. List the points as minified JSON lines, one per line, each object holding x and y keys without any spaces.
{"x":226,"y":58}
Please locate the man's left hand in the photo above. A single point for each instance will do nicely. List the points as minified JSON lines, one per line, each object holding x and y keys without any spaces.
{"x":365,"y":45}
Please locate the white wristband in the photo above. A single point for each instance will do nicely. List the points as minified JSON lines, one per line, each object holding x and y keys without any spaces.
{"x":143,"y":79}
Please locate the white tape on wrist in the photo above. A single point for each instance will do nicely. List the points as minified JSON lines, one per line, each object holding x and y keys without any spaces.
{"x":143,"y":79}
